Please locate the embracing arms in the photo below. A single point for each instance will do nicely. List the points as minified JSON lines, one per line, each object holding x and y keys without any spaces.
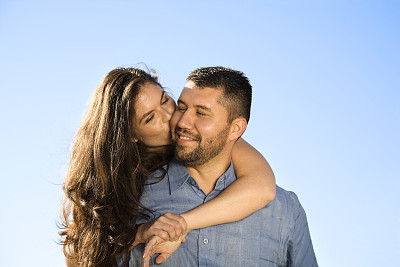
{"x":254,"y":188}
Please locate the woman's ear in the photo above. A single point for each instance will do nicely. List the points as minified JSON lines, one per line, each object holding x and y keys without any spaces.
{"x":238,"y":126}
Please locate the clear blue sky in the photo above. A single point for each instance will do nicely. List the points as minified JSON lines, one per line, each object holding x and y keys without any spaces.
{"x":326,"y":109}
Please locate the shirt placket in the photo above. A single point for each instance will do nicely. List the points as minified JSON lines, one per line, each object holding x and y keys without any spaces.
{"x":206,"y":240}
{"x":206,"y":243}
{"x":207,"y":236}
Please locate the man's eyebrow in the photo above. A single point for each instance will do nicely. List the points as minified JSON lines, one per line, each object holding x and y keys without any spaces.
{"x":203,"y":107}
{"x":196,"y":106}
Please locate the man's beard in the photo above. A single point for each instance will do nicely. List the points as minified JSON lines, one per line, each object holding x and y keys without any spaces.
{"x":204,"y":152}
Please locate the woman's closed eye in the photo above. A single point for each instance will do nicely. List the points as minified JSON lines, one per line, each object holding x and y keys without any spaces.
{"x":165,"y":100}
{"x":149,"y":118}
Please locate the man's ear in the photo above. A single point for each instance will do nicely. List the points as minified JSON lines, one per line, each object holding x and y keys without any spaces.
{"x":238,"y":126}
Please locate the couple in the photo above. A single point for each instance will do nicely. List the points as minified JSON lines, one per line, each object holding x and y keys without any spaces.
{"x":119,"y":189}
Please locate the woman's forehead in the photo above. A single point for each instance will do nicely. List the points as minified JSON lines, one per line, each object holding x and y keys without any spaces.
{"x":148,"y":98}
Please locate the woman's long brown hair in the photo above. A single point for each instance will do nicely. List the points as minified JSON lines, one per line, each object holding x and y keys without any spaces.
{"x":106,"y":173}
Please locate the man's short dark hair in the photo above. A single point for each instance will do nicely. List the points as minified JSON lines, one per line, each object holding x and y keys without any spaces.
{"x":235,"y":87}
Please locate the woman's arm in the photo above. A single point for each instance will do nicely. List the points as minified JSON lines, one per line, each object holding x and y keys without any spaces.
{"x":254,"y":188}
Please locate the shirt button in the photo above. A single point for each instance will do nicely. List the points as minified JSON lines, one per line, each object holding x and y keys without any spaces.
{"x":205,"y":241}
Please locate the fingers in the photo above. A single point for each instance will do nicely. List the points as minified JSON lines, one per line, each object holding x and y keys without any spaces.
{"x":159,"y":260}
{"x":178,"y":223}
{"x":146,"y":260}
{"x":149,"y":246}
{"x":156,"y":245}
{"x":164,"y":231}
{"x":162,"y":258}
{"x":148,"y":250}
{"x":169,"y":227}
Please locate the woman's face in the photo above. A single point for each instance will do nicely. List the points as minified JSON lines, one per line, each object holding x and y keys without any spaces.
{"x":154,"y":108}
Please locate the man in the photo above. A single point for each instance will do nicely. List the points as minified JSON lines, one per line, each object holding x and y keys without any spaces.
{"x":212,"y":114}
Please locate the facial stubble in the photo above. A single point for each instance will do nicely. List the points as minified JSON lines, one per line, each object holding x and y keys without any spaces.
{"x":205,"y":151}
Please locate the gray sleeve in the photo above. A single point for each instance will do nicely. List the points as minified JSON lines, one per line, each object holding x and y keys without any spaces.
{"x":300,"y":252}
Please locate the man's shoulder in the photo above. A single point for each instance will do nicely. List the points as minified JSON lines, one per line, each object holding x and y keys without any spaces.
{"x":285,"y":196}
{"x":285,"y":203}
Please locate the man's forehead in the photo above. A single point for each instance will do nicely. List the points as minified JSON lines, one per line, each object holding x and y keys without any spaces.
{"x":208,"y":93}
{"x":201,"y":97}
{"x":190,"y":84}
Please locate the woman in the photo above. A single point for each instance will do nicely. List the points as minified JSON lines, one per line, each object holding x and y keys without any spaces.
{"x":124,"y":136}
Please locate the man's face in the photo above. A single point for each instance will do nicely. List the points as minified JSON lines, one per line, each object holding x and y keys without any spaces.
{"x":199,"y":125}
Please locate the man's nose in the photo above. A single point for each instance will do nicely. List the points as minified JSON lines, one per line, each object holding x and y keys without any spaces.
{"x":186,"y":120}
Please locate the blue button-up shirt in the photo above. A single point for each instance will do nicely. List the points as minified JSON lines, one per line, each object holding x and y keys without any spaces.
{"x":276,"y":235}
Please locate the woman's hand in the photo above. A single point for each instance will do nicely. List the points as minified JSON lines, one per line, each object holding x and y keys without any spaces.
{"x":165,"y":248}
{"x":168,"y":227}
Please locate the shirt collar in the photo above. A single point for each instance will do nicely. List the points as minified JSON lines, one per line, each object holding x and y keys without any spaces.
{"x":179,"y":175}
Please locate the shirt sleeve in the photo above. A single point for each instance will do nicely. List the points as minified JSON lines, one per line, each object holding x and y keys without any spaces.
{"x":300,"y":252}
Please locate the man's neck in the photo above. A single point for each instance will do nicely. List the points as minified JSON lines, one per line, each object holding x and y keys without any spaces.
{"x":207,"y":174}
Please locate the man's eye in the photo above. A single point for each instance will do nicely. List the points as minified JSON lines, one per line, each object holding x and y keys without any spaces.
{"x":200,"y":113}
{"x":149,"y":119}
{"x":181,"y":109}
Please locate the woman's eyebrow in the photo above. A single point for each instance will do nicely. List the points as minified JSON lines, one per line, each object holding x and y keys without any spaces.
{"x":145,"y":115}
{"x":162,"y":96}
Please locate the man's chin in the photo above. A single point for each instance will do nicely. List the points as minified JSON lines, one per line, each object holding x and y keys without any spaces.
{"x":182,"y":148}
{"x":181,"y":152}
{"x":183,"y":155}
